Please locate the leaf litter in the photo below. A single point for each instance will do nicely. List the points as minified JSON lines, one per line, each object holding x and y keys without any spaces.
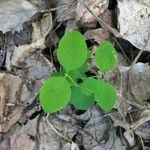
{"x":25,"y":63}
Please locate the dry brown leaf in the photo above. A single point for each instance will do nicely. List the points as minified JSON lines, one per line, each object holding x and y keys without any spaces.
{"x":13,"y":94}
{"x":41,"y":26}
{"x":39,"y":67}
{"x":70,"y":146}
{"x":129,"y":136}
{"x":98,"y":35}
{"x":2,"y":102}
{"x":13,"y":13}
{"x":11,"y":119}
{"x":24,"y":51}
{"x":134,"y":22}
{"x":144,"y":117}
{"x":40,"y":30}
{"x":97,"y":7}
{"x":24,"y":138}
{"x":66,"y":10}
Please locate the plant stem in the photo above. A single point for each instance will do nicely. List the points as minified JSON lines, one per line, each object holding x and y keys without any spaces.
{"x":66,"y":75}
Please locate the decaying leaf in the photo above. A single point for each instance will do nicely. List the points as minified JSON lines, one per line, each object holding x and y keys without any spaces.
{"x":134,"y":22}
{"x":24,"y":51}
{"x":39,"y":67}
{"x":14,"y":94}
{"x":2,"y":102}
{"x":24,"y":138}
{"x":98,"y":35}
{"x":13,"y":13}
{"x":40,"y":30}
{"x":67,"y":10}
{"x":12,"y":119}
{"x":70,"y":146}
{"x":97,"y":7}
{"x":41,"y":26}
{"x":99,"y":133}
{"x":130,"y":138}
{"x":43,"y":4}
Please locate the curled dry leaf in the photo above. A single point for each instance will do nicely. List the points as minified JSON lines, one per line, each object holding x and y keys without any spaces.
{"x":98,"y":7}
{"x":130,"y":138}
{"x":66,"y":10}
{"x":13,"y":13}
{"x":98,"y":35}
{"x":41,"y":26}
{"x":134,"y":22}
{"x":24,"y":51}
{"x":40,"y":30}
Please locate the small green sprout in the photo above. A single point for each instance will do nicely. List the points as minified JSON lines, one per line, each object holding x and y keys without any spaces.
{"x":72,"y":86}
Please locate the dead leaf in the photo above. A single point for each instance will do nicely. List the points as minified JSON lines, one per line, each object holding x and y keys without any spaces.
{"x":137,"y":33}
{"x":40,"y":30}
{"x":40,"y":67}
{"x":98,"y":35}
{"x":48,"y":138}
{"x":70,"y":146}
{"x":44,"y":4}
{"x":145,"y":117}
{"x":2,"y":102}
{"x":97,"y":7}
{"x":25,"y":137}
{"x":13,"y":13}
{"x":13,"y":94}
{"x":130,"y":138}
{"x":41,"y":26}
{"x":24,"y":51}
{"x":11,"y":119}
{"x":132,"y":84}
{"x":66,"y":10}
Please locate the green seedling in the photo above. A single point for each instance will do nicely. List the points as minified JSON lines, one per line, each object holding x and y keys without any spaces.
{"x":71,"y":85}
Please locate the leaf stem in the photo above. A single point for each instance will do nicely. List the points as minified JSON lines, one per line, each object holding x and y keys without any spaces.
{"x":66,"y":75}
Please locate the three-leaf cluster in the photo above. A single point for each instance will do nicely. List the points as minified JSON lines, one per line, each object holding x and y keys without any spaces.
{"x":72,"y":85}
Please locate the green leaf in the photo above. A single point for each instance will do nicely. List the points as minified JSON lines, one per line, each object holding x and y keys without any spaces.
{"x":72,"y":50}
{"x":106,"y":57}
{"x":89,"y":86}
{"x":105,"y":95}
{"x":79,"y":100}
{"x":55,"y":94}
{"x":58,"y":74}
{"x":78,"y":73}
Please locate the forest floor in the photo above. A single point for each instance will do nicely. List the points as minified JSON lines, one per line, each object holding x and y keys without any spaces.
{"x":29,"y":37}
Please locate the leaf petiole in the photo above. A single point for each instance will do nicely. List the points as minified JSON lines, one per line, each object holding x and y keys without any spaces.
{"x":66,"y":75}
